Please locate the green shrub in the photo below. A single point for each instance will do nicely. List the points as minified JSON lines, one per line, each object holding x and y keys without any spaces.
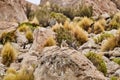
{"x":63,"y":35}
{"x":26,"y":26}
{"x":59,"y":17}
{"x":97,"y":61}
{"x":8,"y":54}
{"x":43,"y":15}
{"x":113,"y":78}
{"x":85,"y":10}
{"x":82,"y":10}
{"x":115,"y":22}
{"x":102,"y":37}
{"x":117,"y":60}
{"x":8,"y":36}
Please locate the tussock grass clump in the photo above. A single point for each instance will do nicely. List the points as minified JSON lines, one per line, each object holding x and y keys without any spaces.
{"x":80,"y":35}
{"x":117,"y":60}
{"x":110,"y":44}
{"x":10,"y":76}
{"x":56,"y":26}
{"x":23,"y":28}
{"x":69,"y":26}
{"x":50,"y":42}
{"x":70,"y":33}
{"x":11,"y":70}
{"x":99,"y":26}
{"x":97,"y":61}
{"x":8,"y":54}
{"x":29,"y":36}
{"x":8,"y":36}
{"x":102,"y":37}
{"x":26,"y":26}
{"x":22,"y":74}
{"x":64,"y":35}
{"x":85,"y":23}
{"x":115,"y":22}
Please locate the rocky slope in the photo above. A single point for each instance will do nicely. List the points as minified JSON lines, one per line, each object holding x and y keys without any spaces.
{"x":99,"y":6}
{"x":82,"y":48}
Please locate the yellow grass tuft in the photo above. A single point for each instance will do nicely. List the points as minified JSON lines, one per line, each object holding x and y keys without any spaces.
{"x":80,"y":35}
{"x":50,"y":42}
{"x":29,"y":36}
{"x":24,"y":28}
{"x":110,"y":44}
{"x":85,"y":23}
{"x":99,"y":26}
{"x":8,"y":54}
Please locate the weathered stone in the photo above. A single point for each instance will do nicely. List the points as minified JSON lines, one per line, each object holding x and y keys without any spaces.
{"x":7,"y":26}
{"x":21,"y":38}
{"x":115,"y":52}
{"x":117,"y":2}
{"x":90,"y":45}
{"x":11,"y":10}
{"x":40,"y":37}
{"x":65,"y":64}
{"x":2,"y":71}
{"x":112,"y":67}
{"x":117,"y":73}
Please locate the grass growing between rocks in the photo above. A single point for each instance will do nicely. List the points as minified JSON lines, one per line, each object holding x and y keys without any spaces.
{"x":110,"y":44}
{"x":102,"y":37}
{"x":115,"y":22}
{"x":70,"y":33}
{"x":117,"y":60}
{"x":27,"y":26}
{"x":85,"y":23}
{"x":97,"y":61}
{"x":9,"y":54}
{"x":8,"y":36}
{"x":29,"y":36}
{"x":50,"y":42}
{"x":22,"y":74}
{"x":113,"y":78}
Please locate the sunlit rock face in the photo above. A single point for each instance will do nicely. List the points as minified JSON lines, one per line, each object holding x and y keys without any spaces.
{"x":65,"y":64}
{"x":117,"y":2}
{"x":12,"y":10}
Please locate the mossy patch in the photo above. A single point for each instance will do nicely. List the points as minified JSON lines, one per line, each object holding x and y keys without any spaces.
{"x":97,"y":61}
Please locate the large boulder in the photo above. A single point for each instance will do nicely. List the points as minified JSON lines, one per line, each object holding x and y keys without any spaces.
{"x":11,"y":10}
{"x":99,"y":6}
{"x":41,"y":35}
{"x":117,"y":2}
{"x":65,"y":64}
{"x":7,"y":26}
